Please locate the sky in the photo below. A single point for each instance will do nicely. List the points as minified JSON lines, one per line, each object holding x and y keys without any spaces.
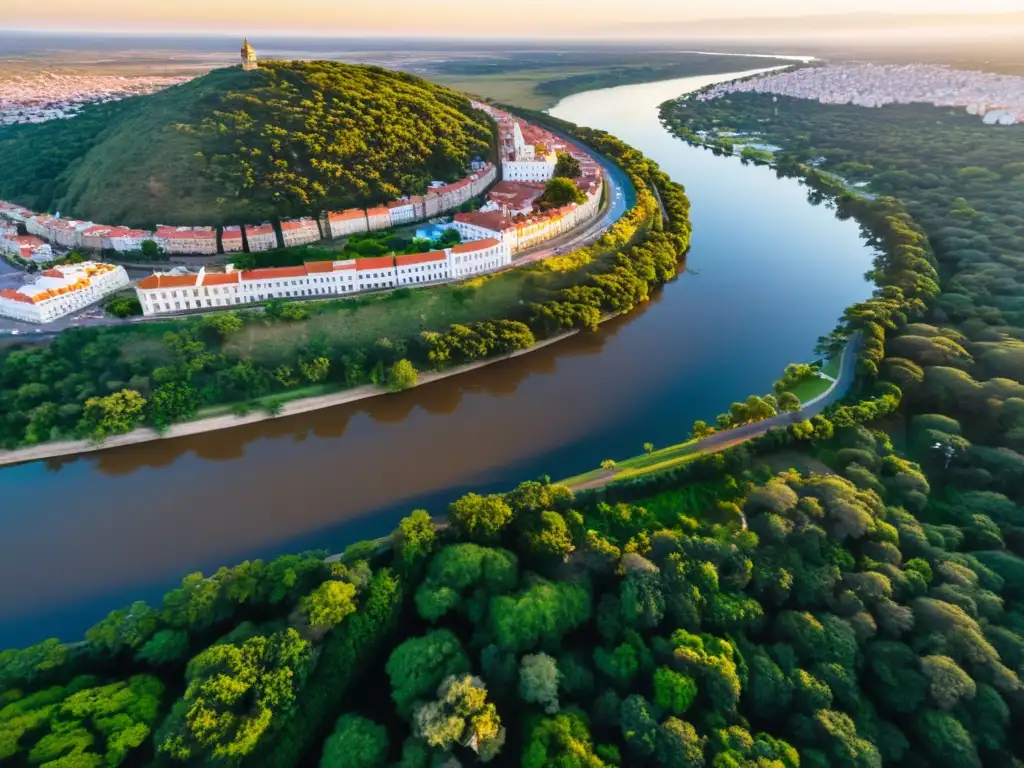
{"x":541,"y":18}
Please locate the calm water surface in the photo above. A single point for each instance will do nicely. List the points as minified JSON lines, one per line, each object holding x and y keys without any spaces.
{"x":768,"y":273}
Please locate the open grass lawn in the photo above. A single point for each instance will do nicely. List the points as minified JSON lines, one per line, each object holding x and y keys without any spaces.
{"x":516,"y":88}
{"x":808,"y":389}
{"x":831,"y":367}
{"x":644,"y":463}
{"x":397,"y":315}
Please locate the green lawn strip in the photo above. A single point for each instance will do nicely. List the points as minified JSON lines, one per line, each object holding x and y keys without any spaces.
{"x":808,"y":389}
{"x":659,"y":467}
{"x":314,"y":390}
{"x":833,"y":365}
{"x":665,"y":456}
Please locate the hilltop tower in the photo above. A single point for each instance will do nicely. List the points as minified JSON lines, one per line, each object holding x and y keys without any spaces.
{"x":248,"y":56}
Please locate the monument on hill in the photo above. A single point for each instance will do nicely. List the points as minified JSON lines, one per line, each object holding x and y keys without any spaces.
{"x":248,"y":56}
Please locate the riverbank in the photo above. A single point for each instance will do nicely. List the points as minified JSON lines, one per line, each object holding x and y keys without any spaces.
{"x":668,"y":458}
{"x":228,"y":421}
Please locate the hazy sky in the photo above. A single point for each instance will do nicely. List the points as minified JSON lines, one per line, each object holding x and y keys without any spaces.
{"x":542,"y":18}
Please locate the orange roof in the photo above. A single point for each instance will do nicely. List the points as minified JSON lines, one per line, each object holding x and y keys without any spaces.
{"x":420,"y":258}
{"x":168,"y":281}
{"x":379,"y":212}
{"x":259,"y":229}
{"x":476,"y":245}
{"x":378,"y":262}
{"x":220,"y":278}
{"x":297,"y":224}
{"x":231,"y":233}
{"x":313,"y":267}
{"x":272,"y":273}
{"x":205,"y":234}
{"x":13,"y":295}
{"x":350,"y":213}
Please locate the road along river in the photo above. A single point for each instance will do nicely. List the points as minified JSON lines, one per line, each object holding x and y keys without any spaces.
{"x":767,"y":274}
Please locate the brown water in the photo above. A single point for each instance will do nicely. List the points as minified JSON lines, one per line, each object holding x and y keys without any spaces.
{"x":769,"y":272}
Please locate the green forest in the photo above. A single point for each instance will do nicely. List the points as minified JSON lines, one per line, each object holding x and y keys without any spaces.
{"x":840,"y":593}
{"x":287,"y":139}
{"x":92,"y":383}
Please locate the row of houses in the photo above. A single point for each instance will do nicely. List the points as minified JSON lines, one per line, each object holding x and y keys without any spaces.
{"x":504,"y":219}
{"x":25,"y":247}
{"x":61,"y":290}
{"x":86,"y":235}
{"x":179,"y":291}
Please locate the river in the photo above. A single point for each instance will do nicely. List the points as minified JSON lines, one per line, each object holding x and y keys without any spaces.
{"x":767,"y":274}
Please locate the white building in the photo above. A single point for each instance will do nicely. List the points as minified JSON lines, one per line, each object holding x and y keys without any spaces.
{"x":61,"y":290}
{"x":261,"y":237}
{"x":27,"y":247}
{"x":347,"y":222}
{"x":402,"y":212}
{"x":231,"y":239}
{"x":177,"y":291}
{"x":378,"y":218}
{"x":542,"y":169}
{"x":299,"y":232}
{"x":469,"y":259}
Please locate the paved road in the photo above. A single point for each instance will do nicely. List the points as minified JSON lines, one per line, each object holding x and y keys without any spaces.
{"x":722,"y":440}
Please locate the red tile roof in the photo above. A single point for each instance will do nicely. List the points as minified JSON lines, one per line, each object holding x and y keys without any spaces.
{"x":378,"y":262}
{"x":350,"y":213}
{"x":220,"y":278}
{"x":168,"y":281}
{"x":272,"y":273}
{"x":420,"y":258}
{"x":379,"y":212}
{"x":476,"y":245}
{"x":313,"y":267}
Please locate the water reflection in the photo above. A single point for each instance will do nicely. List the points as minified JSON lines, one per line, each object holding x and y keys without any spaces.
{"x":770,"y":274}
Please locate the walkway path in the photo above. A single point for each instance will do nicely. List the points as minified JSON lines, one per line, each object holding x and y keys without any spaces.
{"x":720,"y":441}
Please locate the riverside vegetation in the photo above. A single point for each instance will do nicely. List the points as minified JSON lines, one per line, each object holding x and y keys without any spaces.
{"x":730,"y":612}
{"x":97,"y":382}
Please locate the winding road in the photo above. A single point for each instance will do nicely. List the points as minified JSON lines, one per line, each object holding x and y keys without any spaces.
{"x":720,"y":441}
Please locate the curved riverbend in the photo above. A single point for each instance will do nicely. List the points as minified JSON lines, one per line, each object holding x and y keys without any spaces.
{"x":767,"y":274}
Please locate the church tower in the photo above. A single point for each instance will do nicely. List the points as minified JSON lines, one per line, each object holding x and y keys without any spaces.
{"x":248,"y":56}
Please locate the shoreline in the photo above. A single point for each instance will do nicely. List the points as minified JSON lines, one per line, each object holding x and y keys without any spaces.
{"x":227,"y":421}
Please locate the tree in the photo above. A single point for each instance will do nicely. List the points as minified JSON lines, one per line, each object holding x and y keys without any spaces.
{"x":328,"y":605}
{"x":165,"y":647}
{"x":538,"y":681}
{"x":639,"y":727}
{"x":419,"y":665}
{"x":567,"y":166}
{"x":461,"y":715}
{"x":401,"y":375}
{"x":643,"y":603}
{"x":549,"y":537}
{"x":123,"y":306}
{"x":678,"y":745}
{"x":608,"y":464}
{"x":700,"y":430}
{"x":171,"y":402}
{"x":114,"y":414}
{"x":414,"y":539}
{"x":559,"y":192}
{"x":788,"y":402}
{"x":149,"y":250}
{"x":542,"y":613}
{"x":242,"y":689}
{"x":316,"y":370}
{"x":563,"y":740}
{"x":948,"y":684}
{"x":462,"y":577}
{"x":673,"y":691}
{"x":355,"y":743}
{"x":480,"y":518}
{"x":648,"y":448}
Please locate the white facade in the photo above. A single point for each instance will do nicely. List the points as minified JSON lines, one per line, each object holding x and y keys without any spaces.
{"x":529,"y":170}
{"x":299,"y":232}
{"x":403,"y":213}
{"x":61,"y":290}
{"x":347,"y":222}
{"x":176,"y":291}
{"x":261,"y":238}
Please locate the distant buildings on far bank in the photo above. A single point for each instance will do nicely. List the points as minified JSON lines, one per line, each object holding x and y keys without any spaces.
{"x":997,"y":99}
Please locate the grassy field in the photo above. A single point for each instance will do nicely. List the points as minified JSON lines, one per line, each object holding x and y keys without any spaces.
{"x":643,"y":464}
{"x":808,"y":389}
{"x":517,"y":88}
{"x":832,"y":366}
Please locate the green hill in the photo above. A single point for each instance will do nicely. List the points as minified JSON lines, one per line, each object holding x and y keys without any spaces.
{"x":234,"y":146}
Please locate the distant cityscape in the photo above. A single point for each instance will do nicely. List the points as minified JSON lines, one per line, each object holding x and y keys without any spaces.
{"x":997,"y":99}
{"x":46,"y":95}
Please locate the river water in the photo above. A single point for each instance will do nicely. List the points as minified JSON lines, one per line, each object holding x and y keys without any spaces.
{"x":767,"y":274}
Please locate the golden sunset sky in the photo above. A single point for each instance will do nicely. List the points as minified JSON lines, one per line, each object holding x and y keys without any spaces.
{"x":540,"y":18}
